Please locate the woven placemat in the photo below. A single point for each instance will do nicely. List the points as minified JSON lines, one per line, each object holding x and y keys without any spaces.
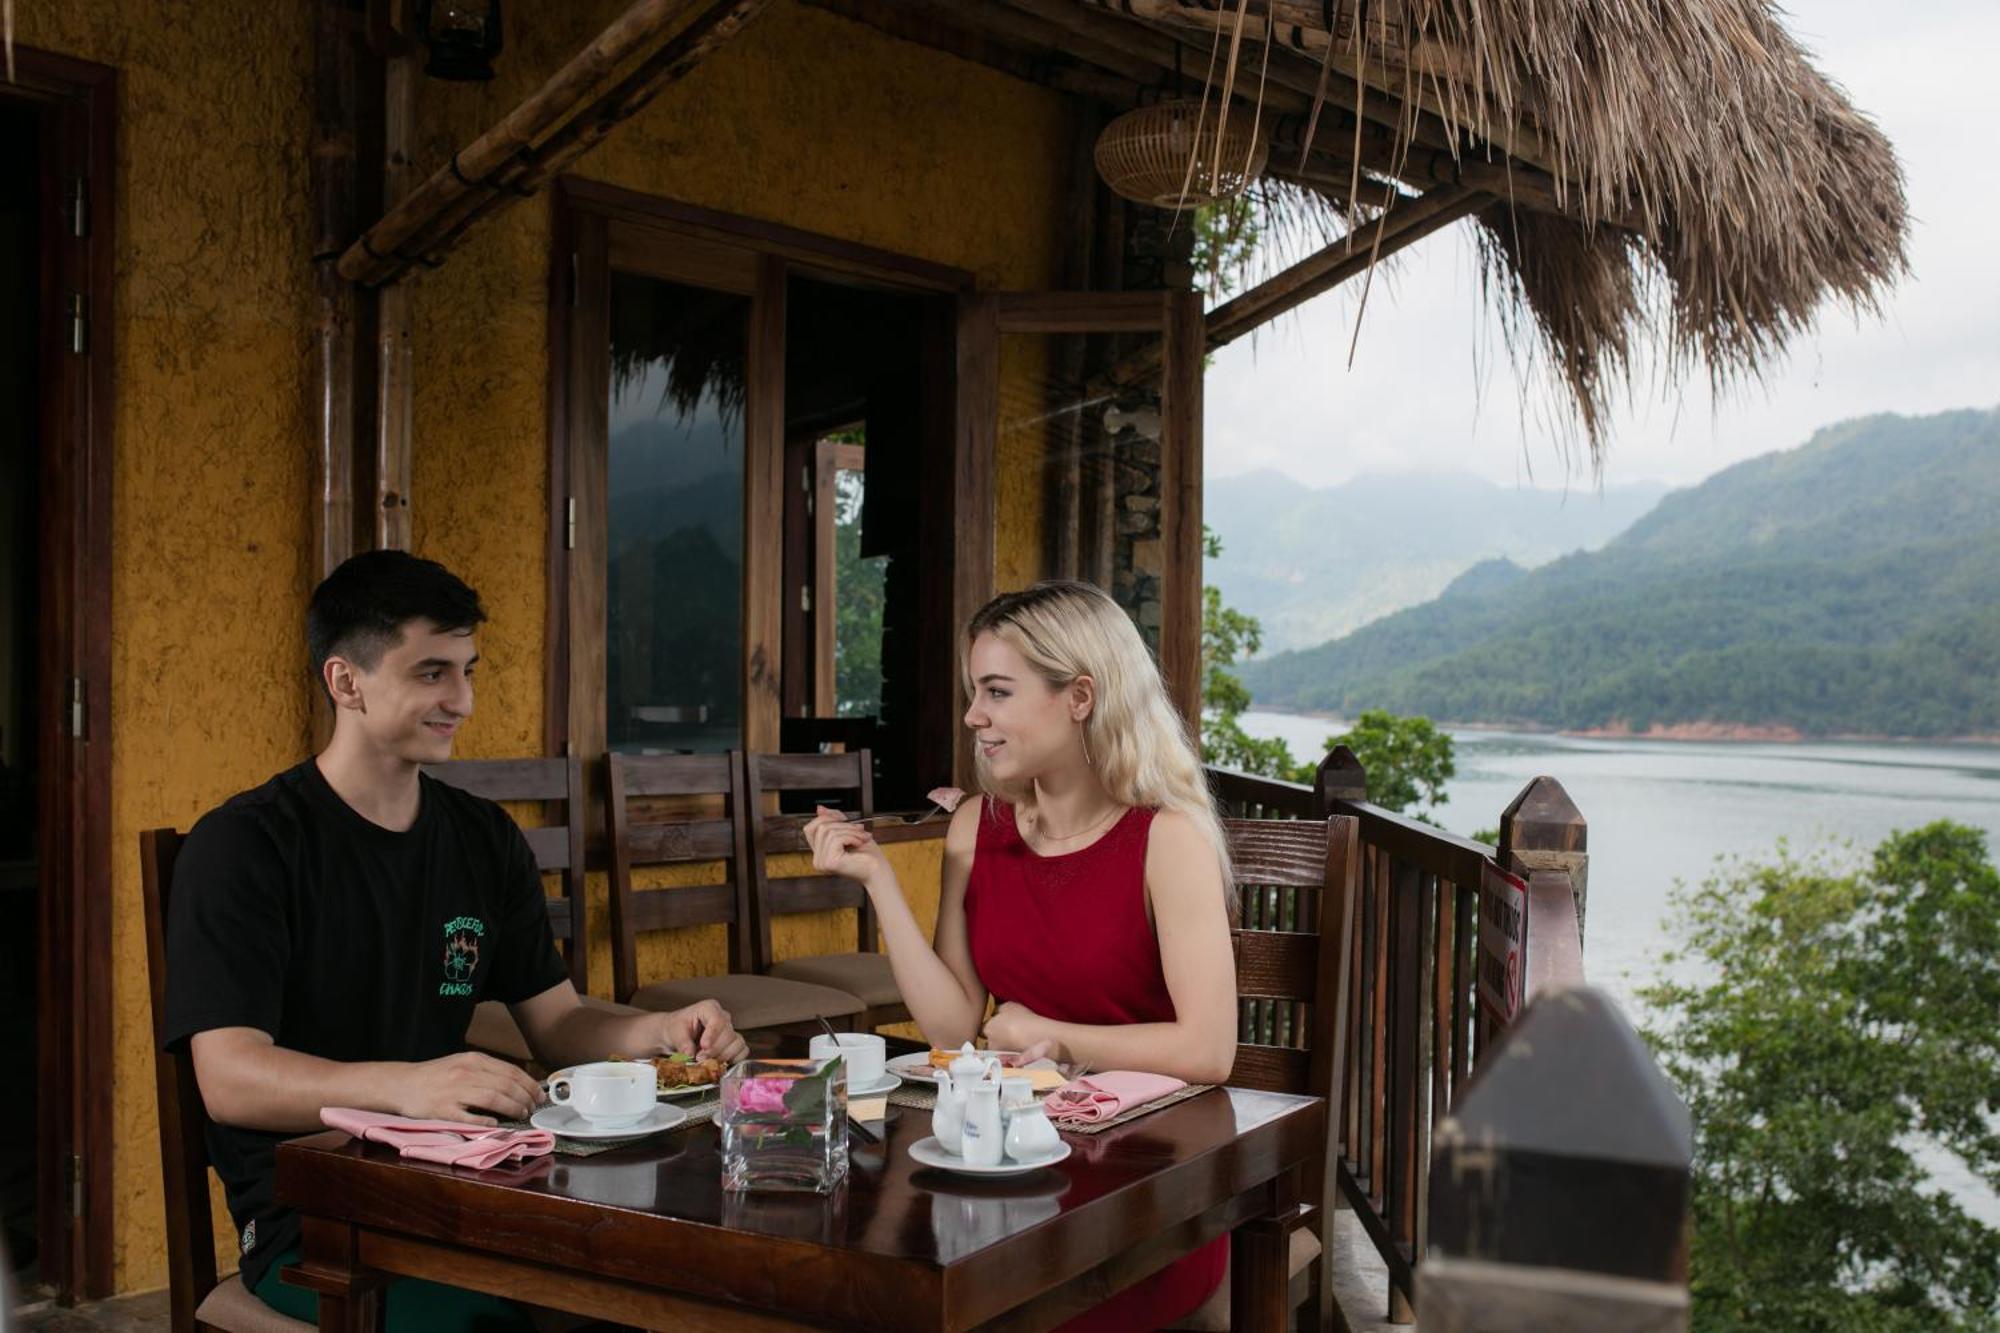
{"x":917,"y":1097}
{"x":1157,"y":1104}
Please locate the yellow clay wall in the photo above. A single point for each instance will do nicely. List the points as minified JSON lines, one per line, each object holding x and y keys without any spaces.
{"x":806,"y":119}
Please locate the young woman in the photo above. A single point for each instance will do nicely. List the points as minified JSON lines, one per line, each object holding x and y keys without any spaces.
{"x":1087,"y":891}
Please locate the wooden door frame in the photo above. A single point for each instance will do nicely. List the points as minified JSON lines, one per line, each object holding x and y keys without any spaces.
{"x":742,"y":253}
{"x":77,"y":101}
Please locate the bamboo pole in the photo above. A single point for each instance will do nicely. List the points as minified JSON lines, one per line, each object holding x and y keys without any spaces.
{"x":373,"y":257}
{"x":536,"y":167}
{"x":393,"y":386}
{"x":334,"y":174}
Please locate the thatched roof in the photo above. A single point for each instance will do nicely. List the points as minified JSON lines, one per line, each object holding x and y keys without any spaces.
{"x":1713,"y":190}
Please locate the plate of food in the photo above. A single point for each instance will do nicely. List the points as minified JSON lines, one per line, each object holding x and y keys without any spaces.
{"x":931,"y":1066}
{"x":675,"y":1075}
{"x":685,"y":1076}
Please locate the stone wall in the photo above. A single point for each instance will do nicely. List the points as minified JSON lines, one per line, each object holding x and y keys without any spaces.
{"x":1158,"y":256}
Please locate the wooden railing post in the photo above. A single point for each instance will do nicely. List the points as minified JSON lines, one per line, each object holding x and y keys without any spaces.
{"x":1340,"y":777}
{"x":1543,"y":830}
{"x":1559,"y":1186}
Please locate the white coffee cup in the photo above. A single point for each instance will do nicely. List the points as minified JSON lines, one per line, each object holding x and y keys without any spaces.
{"x":609,"y":1093}
{"x":865,"y":1054}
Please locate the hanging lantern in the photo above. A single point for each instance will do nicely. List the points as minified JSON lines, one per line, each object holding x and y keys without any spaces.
{"x":462,"y":37}
{"x":1165,"y":154}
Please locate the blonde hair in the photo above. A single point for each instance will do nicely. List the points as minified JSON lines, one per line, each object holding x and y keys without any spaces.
{"x":1136,"y":741}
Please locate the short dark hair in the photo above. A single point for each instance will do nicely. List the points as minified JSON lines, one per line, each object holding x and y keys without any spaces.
{"x":358,"y":611}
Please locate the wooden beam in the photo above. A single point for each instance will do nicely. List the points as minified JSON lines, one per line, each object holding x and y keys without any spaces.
{"x":764,"y":512}
{"x":1301,"y":26}
{"x":976,"y":513}
{"x":373,"y":258}
{"x":1401,"y":226}
{"x":946,"y":29}
{"x":1184,"y":348}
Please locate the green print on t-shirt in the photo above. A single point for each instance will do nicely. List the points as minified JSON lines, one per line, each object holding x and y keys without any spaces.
{"x":461,"y":954}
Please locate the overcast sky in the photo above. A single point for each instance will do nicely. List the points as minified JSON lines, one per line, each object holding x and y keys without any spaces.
{"x":1432,"y":388}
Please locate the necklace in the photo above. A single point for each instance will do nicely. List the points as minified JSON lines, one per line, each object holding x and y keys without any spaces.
{"x":1071,"y":837}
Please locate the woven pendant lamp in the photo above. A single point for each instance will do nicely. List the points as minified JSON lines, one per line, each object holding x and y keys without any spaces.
{"x":1165,"y":154}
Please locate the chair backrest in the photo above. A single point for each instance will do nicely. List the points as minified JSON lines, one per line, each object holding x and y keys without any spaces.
{"x":648,"y":842}
{"x":1295,"y":881}
{"x":558,"y":848}
{"x":847,"y":780}
{"x":183,"y":1118}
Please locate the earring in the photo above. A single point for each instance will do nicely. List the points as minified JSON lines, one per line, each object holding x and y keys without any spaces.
{"x":1083,"y":735}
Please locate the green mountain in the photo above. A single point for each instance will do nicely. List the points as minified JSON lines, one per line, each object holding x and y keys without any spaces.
{"x":1848,"y":586}
{"x":1394,"y":541}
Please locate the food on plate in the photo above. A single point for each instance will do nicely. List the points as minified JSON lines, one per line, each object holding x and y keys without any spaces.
{"x":948,"y":799}
{"x":682,"y":1071}
{"x":942,"y":1059}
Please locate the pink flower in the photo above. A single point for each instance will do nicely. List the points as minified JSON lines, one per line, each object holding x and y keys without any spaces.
{"x":761,"y":1094}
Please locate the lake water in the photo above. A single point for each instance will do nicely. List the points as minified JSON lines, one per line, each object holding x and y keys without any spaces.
{"x":1662,"y":811}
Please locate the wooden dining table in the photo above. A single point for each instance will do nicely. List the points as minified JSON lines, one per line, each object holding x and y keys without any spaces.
{"x":646,"y":1235}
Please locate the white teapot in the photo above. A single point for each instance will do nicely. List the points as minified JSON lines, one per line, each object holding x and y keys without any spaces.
{"x":953,"y":1094}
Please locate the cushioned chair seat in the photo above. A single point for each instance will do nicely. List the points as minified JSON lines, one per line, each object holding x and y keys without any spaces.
{"x":753,"y":1002}
{"x":1212,"y":1315}
{"x":864,"y":975}
{"x":234,"y":1308}
{"x":494,"y":1030}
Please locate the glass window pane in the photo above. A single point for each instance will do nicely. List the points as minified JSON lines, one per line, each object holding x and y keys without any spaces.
{"x":859,"y":585}
{"x":674,"y":582}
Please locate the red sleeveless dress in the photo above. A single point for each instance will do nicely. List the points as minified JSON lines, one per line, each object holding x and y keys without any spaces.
{"x":1068,"y":937}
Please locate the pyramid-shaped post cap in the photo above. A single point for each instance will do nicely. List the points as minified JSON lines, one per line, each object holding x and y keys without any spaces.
{"x":1340,"y":777}
{"x":1568,"y":1149}
{"x":1543,"y":817}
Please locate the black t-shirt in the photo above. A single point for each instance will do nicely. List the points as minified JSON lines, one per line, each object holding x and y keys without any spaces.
{"x":293,"y":914}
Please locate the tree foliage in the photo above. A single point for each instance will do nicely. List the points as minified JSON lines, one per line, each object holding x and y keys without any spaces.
{"x":1407,"y":759}
{"x":1228,"y":635}
{"x":1840,"y":1037}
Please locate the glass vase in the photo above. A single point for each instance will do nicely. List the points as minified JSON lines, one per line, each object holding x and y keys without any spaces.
{"x":784,"y":1125}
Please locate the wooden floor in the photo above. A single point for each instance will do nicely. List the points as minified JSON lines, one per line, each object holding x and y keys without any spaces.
{"x":1360,"y":1282}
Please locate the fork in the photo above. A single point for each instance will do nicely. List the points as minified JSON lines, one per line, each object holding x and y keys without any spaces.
{"x":895,"y":819}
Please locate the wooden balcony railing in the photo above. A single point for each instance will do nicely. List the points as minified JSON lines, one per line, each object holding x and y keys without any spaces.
{"x":1413,"y":1031}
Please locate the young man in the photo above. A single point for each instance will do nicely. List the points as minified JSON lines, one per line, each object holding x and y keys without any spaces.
{"x":331,"y":930}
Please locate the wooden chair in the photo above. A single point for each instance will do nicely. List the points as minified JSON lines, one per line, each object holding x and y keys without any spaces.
{"x":864,"y":972}
{"x":196,"y":1300}
{"x":755,"y":1003}
{"x":558,"y":849}
{"x":1296,"y":881}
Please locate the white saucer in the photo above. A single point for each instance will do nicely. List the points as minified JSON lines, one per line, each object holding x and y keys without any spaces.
{"x":564,"y":1120}
{"x":925,"y":1152}
{"x":888,"y":1083}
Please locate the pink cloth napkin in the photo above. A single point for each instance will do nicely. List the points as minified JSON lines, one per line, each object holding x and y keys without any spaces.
{"x":1102,"y":1096}
{"x":443,"y":1141}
